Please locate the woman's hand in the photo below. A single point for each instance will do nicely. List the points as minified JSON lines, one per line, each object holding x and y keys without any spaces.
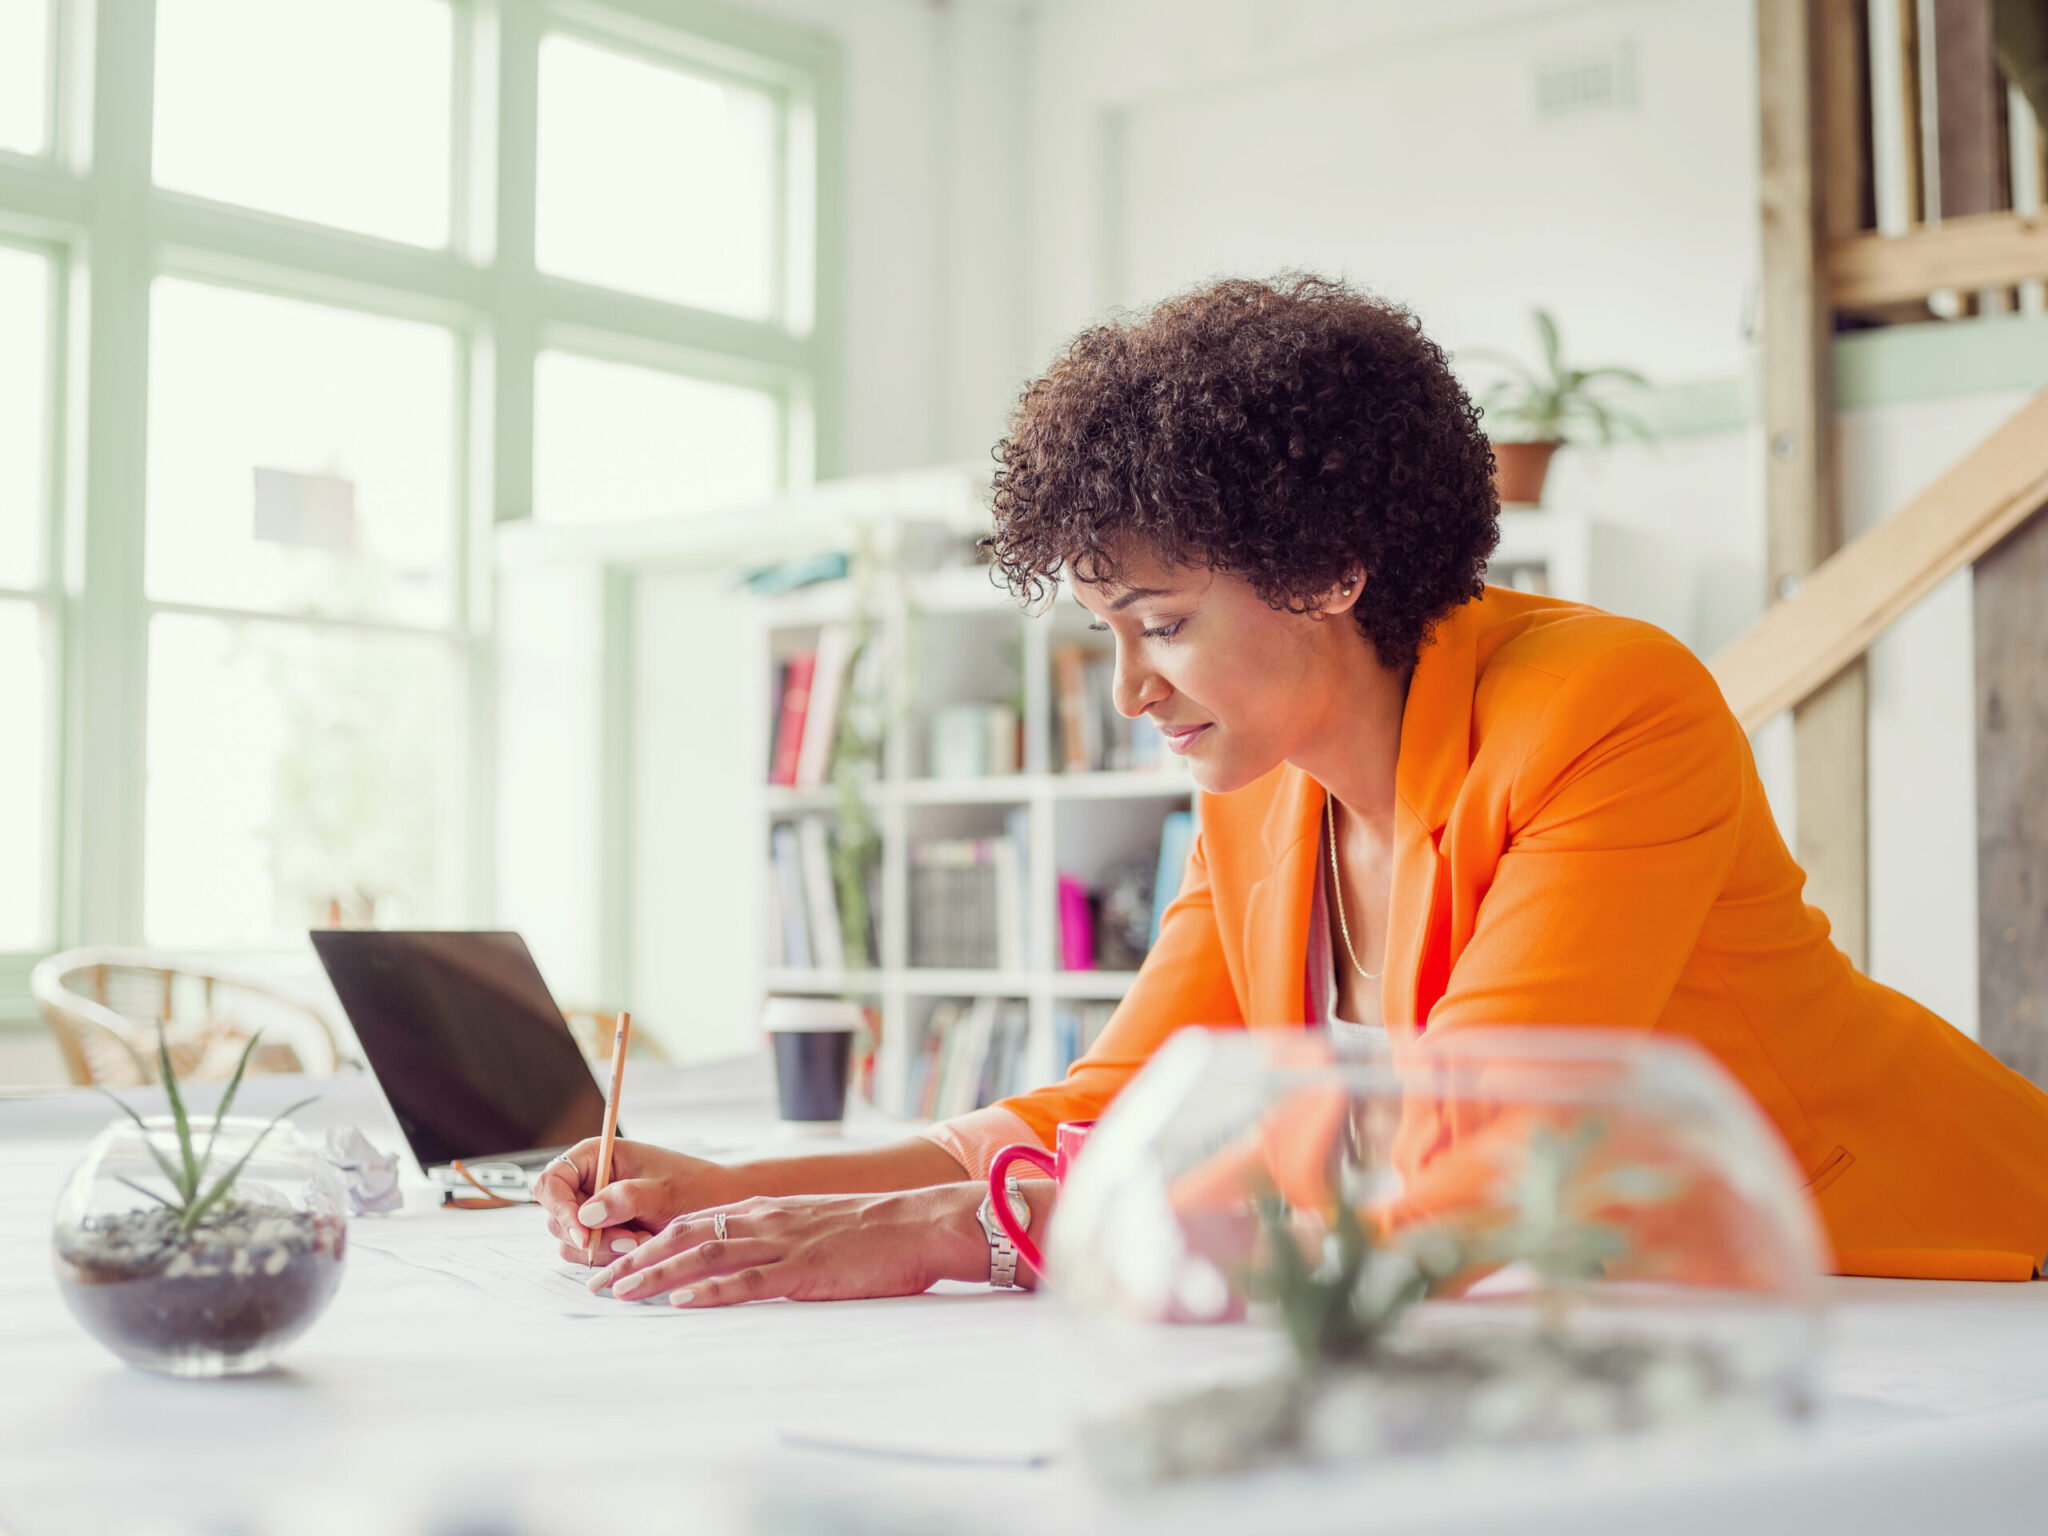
{"x":807,"y":1248}
{"x":650,"y":1188}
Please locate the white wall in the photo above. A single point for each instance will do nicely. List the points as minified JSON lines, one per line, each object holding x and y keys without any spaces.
{"x":933,"y":266}
{"x":550,"y":782}
{"x":699,"y":721}
{"x":1400,"y":146}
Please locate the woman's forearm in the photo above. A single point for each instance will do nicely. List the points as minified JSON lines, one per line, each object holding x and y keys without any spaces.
{"x":913,"y":1163}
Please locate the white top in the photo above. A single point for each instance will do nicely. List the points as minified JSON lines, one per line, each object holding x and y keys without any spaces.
{"x":1348,"y":1036}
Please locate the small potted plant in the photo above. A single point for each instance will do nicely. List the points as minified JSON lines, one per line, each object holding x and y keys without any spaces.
{"x":200,"y":1247}
{"x":1532,"y":413}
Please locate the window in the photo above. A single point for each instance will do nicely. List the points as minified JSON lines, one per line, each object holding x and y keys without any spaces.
{"x":25,"y":654}
{"x":614,"y":442}
{"x":655,"y":180}
{"x":353,"y":98}
{"x":301,"y":462}
{"x":279,"y":486}
{"x":24,"y":415}
{"x":24,"y":75}
{"x":301,"y":457}
{"x":328,"y":800}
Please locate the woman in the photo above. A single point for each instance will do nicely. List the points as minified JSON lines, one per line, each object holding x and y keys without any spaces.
{"x":1278,"y":503}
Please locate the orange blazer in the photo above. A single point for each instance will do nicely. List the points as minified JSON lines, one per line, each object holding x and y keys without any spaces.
{"x":1581,"y":838}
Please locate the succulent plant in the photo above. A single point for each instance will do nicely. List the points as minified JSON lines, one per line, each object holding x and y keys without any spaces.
{"x":187,"y":1175}
{"x":1341,"y":1307}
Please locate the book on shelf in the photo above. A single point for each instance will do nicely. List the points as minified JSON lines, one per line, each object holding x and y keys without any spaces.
{"x":789,"y":927}
{"x":806,"y":926}
{"x":832,"y":662}
{"x":1077,"y":926}
{"x":969,"y":900}
{"x":789,"y":721}
{"x":1176,"y":839}
{"x":1092,"y":736}
{"x":812,"y":689}
{"x":821,"y":899}
{"x":1075,"y":1026}
{"x":972,"y":1054}
{"x":973,"y":741}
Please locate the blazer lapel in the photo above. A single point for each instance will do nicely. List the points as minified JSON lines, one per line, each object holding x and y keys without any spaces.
{"x":1278,"y":907}
{"x":1436,"y":754}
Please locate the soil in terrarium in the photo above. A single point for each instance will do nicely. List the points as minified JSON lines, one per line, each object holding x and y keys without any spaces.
{"x":246,"y":1274}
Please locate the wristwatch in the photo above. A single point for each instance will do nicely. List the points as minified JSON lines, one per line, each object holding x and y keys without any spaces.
{"x":1002,"y":1253}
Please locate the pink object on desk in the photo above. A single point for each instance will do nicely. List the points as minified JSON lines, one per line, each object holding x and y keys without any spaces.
{"x":1077,"y":927}
{"x":1072,"y":1135}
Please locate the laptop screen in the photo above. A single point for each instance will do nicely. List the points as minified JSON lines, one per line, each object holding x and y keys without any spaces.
{"x":465,"y":1040}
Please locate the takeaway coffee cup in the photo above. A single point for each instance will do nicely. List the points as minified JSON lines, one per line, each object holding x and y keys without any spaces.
{"x":1071,"y":1136}
{"x":813,"y":1040}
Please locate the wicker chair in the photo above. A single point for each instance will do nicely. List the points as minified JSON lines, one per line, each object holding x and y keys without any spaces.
{"x":104,"y":1007}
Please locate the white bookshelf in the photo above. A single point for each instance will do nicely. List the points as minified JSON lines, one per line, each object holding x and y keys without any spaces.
{"x":953,"y":637}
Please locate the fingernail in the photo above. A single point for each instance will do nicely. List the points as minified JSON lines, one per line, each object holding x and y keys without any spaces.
{"x":592,"y":1214}
{"x":628,"y":1286}
{"x":682,"y":1298}
{"x":600,"y":1280}
{"x":625,"y":1244}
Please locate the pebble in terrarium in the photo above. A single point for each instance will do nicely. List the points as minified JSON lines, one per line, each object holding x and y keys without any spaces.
{"x":200,"y":1246}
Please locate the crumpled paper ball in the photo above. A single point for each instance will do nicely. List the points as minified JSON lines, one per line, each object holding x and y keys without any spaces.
{"x":369,"y":1176}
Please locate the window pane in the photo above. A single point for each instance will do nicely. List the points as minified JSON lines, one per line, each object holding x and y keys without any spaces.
{"x":655,"y":181}
{"x":294,"y":772}
{"x":301,"y":458}
{"x":24,"y":811}
{"x":24,"y":420}
{"x":335,"y":111}
{"x":613,"y":442}
{"x":24,"y":75}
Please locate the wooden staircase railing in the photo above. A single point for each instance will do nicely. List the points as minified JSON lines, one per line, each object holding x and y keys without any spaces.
{"x":1855,"y":595}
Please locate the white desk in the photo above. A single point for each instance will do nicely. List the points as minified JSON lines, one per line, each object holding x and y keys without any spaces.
{"x":422,"y":1404}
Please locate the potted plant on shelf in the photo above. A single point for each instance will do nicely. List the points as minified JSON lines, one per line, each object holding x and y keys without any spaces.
{"x":1532,"y":413}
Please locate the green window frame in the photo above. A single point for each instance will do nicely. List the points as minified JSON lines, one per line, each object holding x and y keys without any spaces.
{"x":87,"y":202}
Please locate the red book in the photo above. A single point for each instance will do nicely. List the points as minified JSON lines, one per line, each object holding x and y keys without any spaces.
{"x":789,"y":731}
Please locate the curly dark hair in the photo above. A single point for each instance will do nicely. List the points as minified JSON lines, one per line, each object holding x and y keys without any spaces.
{"x":1287,"y":431}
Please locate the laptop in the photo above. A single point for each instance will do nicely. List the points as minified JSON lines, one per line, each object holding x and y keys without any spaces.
{"x":468,"y":1046}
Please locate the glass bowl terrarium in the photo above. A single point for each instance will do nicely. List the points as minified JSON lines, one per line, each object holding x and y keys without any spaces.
{"x":1492,"y":1238}
{"x":199,"y":1247}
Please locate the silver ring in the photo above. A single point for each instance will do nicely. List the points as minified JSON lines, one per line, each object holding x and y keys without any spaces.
{"x":718,"y":1225}
{"x":566,"y":1161}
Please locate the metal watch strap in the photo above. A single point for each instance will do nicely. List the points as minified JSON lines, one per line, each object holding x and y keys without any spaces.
{"x":1002,"y":1253}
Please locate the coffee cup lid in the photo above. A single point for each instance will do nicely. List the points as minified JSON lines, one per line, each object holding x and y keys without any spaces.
{"x":798,"y":1015}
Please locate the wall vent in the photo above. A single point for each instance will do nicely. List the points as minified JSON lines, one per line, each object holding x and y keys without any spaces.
{"x":1602,"y":81}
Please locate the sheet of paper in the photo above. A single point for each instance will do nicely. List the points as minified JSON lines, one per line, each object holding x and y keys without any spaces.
{"x":515,"y":1261}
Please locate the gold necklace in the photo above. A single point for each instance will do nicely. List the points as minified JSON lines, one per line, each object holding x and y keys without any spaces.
{"x":1337,"y":885}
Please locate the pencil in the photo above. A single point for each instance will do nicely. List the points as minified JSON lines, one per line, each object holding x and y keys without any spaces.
{"x":611,"y":1124}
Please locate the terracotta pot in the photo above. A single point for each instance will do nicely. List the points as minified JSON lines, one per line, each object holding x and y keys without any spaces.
{"x":1519,"y":469}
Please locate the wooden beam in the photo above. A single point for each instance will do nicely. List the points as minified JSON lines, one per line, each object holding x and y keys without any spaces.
{"x":1799,"y":503}
{"x":1844,"y":120}
{"x":1793,"y":313}
{"x":1833,"y":616}
{"x":2011,"y":603}
{"x":1985,"y":250}
{"x":1967,"y":107}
